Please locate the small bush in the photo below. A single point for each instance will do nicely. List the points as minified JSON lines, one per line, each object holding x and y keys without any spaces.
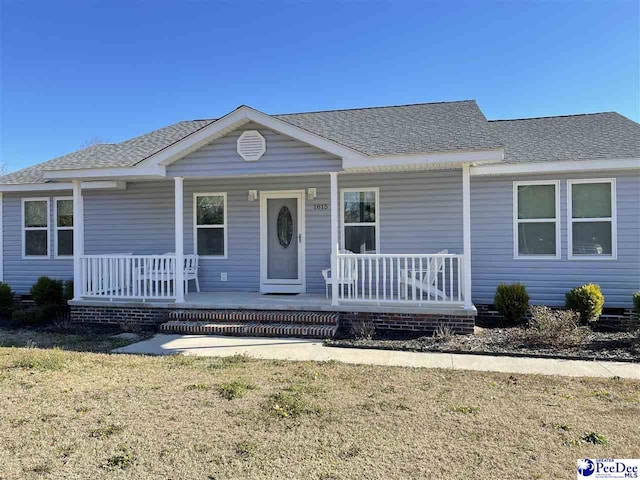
{"x":554,"y":328}
{"x":636,"y":302}
{"x":47,"y":291}
{"x":443,"y":333}
{"x":587,"y":300}
{"x":363,"y":329}
{"x":26,"y":317}
{"x":7,"y":300}
{"x":512,"y":301}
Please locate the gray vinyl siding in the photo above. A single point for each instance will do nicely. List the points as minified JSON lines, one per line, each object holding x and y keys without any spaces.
{"x":420,"y":212}
{"x":138,"y":220}
{"x":242,"y":264}
{"x":284,"y":156}
{"x":22,"y":273}
{"x":548,"y":280}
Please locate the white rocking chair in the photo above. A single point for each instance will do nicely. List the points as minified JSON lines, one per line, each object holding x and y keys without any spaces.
{"x":348,"y":279}
{"x":190,"y":272}
{"x":426,"y":284}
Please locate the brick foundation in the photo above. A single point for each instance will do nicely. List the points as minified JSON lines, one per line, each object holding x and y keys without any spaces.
{"x":150,"y":316}
{"x":117,"y":315}
{"x":413,"y":322}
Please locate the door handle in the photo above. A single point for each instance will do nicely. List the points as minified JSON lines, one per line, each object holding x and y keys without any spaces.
{"x":299,"y":238}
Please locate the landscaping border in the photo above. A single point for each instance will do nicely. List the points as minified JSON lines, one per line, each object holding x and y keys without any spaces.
{"x":337,"y":344}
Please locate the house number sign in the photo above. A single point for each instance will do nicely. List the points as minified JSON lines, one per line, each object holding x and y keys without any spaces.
{"x":321,"y":206}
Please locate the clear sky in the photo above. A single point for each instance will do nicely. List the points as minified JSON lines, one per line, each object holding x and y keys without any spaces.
{"x":71,"y":71}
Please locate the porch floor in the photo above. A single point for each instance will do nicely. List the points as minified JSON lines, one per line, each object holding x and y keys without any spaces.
{"x":257,"y":301}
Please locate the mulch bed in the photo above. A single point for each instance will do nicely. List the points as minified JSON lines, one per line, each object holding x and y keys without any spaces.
{"x":619,"y":346}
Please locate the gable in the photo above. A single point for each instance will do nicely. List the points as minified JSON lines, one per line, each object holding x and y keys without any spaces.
{"x":283,"y":155}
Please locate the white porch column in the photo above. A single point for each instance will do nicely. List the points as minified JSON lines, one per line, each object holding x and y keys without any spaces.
{"x":78,"y":238}
{"x":466,"y":233}
{"x":335,"y":206}
{"x":179,"y":235}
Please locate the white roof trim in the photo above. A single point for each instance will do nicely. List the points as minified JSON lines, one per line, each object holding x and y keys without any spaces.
{"x":129,"y":173}
{"x":553,"y":167}
{"x":236,"y":119}
{"x":429,"y":159}
{"x":55,"y":187}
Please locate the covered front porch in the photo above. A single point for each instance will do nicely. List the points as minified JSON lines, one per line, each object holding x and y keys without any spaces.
{"x":419,"y":269}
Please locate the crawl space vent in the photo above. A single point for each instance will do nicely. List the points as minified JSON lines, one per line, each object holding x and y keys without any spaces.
{"x":251,"y":145}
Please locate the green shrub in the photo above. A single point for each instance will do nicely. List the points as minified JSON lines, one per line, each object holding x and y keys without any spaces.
{"x":587,"y":300}
{"x":636,"y":302}
{"x":512,"y":301}
{"x":7,"y":300}
{"x":554,"y":328}
{"x":67,"y":290}
{"x":26,"y":317}
{"x":47,"y":291}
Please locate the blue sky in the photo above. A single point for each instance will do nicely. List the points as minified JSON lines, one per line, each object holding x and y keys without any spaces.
{"x":71,"y":71}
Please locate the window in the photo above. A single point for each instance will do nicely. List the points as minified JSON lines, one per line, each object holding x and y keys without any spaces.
{"x":63,"y":217}
{"x":360,"y":220}
{"x":35,"y":231}
{"x":536,"y":217}
{"x":210,"y":224}
{"x":591,"y":206}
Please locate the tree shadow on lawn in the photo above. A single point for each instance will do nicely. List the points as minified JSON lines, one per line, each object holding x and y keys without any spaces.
{"x":77,"y":338}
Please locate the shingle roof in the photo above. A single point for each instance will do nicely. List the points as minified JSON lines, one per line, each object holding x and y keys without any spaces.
{"x":109,"y":155}
{"x":397,"y":130}
{"x":403,"y":130}
{"x":572,"y":137}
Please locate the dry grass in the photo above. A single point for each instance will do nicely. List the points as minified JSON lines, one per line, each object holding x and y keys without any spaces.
{"x":89,"y":415}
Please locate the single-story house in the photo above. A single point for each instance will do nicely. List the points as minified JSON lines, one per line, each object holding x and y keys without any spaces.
{"x":409,"y":216}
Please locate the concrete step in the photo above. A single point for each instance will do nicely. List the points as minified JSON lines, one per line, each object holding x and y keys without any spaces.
{"x":255,"y":316}
{"x":249,"y":329}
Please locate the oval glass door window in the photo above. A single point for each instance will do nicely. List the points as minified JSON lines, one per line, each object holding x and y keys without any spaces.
{"x":285,"y":226}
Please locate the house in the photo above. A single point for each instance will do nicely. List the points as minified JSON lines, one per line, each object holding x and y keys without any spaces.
{"x":420,"y":211}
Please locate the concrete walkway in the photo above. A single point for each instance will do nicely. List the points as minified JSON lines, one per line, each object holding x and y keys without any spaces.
{"x":301,"y":349}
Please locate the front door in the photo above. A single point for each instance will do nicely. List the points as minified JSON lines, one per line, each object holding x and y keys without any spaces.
{"x":282,"y":242}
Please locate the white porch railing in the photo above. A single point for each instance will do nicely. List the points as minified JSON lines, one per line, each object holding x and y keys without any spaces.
{"x":422,"y":279}
{"x":128,"y":276}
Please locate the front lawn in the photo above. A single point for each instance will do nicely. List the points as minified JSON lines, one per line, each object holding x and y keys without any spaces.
{"x":67,"y":414}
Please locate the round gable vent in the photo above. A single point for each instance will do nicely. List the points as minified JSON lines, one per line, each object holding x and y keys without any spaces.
{"x":251,"y":145}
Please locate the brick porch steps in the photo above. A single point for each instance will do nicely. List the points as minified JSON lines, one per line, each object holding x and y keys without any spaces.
{"x":249,"y":329}
{"x":256,"y":316}
{"x":258,"y":323}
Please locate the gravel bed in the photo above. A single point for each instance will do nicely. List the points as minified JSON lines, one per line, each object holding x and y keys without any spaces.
{"x":621,"y":346}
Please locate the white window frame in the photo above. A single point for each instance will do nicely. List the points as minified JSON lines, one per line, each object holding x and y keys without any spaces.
{"x":56,"y":228}
{"x":223,"y":226}
{"x":375,"y":224}
{"x":25,"y":229}
{"x":613,"y":219}
{"x":517,"y":221}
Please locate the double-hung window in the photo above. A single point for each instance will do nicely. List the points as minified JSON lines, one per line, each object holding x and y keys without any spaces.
{"x":591,"y":206}
{"x":63,"y":218}
{"x":536,"y":218}
{"x":35,"y":227}
{"x":210,"y":224}
{"x":360,"y":220}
